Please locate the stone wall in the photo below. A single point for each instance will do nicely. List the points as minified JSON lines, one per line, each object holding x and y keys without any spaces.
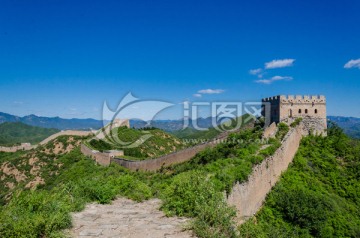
{"x":23,"y":146}
{"x":270,"y":131}
{"x":65,"y":133}
{"x":249,"y":196}
{"x":99,"y":157}
{"x":175,"y":157}
{"x":157,"y":163}
{"x":163,"y":161}
{"x":288,"y":108}
{"x":28,"y":146}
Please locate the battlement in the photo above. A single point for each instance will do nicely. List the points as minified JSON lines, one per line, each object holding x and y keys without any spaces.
{"x":296,"y":99}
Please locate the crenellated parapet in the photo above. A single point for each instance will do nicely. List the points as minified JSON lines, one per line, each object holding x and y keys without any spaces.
{"x":288,"y":108}
{"x":296,"y":99}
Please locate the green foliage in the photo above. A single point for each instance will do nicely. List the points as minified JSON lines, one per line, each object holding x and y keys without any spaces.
{"x":318,"y":196}
{"x":296,"y":122}
{"x":350,"y":125}
{"x":270,"y":150}
{"x":283,"y":129}
{"x":36,"y":214}
{"x":191,"y":133}
{"x":159,"y":142}
{"x":100,"y":145}
{"x":193,"y":194}
{"x":12,"y":133}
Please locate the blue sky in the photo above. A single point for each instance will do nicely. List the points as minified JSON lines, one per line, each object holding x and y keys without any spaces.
{"x":65,"y":58}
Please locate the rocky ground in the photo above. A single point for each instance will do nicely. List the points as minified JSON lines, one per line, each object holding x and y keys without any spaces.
{"x":126,"y":218}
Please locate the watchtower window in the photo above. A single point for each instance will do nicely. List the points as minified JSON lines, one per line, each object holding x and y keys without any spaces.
{"x":299,"y":111}
{"x":315,"y":111}
{"x":306,"y":111}
{"x":290,"y":113}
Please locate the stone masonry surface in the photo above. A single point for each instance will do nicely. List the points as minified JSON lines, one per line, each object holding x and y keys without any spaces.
{"x":312,"y":109}
{"x":127,"y":219}
{"x":249,"y":196}
{"x":157,"y":163}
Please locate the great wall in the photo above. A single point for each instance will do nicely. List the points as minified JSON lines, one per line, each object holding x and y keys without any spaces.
{"x":28,"y":146}
{"x":249,"y":196}
{"x":105,"y":158}
{"x":246,"y":197}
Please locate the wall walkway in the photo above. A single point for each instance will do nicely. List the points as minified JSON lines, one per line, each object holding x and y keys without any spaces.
{"x":249,"y":196}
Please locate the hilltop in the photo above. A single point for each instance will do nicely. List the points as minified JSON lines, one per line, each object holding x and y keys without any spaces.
{"x":16,"y":132}
{"x":28,"y":169}
{"x":156,"y":142}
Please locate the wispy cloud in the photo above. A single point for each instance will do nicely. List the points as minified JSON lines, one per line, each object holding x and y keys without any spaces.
{"x":211,"y":91}
{"x":255,"y":71}
{"x":352,"y":64}
{"x":197,"y":95}
{"x":281,"y":63}
{"x":273,"y":79}
{"x":18,"y":102}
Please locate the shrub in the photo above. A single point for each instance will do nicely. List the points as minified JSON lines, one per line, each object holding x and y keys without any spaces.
{"x":283,"y":129}
{"x":296,"y":122}
{"x":193,"y":194}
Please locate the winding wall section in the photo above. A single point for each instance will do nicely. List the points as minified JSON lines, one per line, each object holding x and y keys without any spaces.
{"x":249,"y":196}
{"x":28,"y":146}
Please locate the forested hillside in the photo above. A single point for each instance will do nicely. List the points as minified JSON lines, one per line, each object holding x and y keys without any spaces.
{"x":318,"y":196}
{"x":350,"y":125}
{"x":16,"y":132}
{"x":152,"y":142}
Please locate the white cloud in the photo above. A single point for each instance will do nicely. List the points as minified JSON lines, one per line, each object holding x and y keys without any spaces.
{"x":197,"y":95}
{"x":255,"y":71}
{"x":282,"y":63}
{"x":273,"y":79}
{"x":352,"y":64}
{"x":211,"y":91}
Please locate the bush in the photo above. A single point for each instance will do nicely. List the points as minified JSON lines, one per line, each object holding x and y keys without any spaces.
{"x":36,"y":214}
{"x":283,"y":129}
{"x":193,"y":194}
{"x":296,"y":122}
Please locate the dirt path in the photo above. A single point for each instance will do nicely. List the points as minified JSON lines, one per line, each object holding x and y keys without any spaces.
{"x":126,"y":218}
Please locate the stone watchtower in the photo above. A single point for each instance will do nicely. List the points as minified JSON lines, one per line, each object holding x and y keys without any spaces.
{"x":312,"y":109}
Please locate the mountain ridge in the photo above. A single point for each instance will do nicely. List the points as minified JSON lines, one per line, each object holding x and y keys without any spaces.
{"x":350,"y":125}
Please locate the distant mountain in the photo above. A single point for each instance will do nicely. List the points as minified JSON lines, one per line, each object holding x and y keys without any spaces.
{"x":174,"y":125}
{"x":350,"y":125}
{"x":53,"y":122}
{"x":17,"y":132}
